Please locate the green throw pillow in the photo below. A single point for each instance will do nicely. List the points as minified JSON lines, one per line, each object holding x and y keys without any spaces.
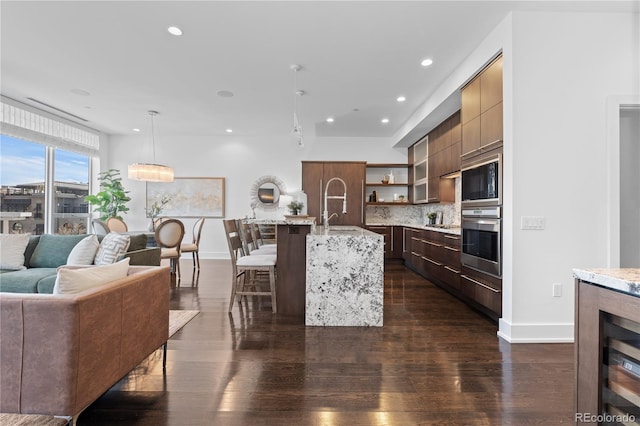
{"x":137,"y":242}
{"x":53,"y":250}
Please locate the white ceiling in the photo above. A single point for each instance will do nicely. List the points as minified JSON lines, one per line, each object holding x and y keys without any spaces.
{"x":357,"y":57}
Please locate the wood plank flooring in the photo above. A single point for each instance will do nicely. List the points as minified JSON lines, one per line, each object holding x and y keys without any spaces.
{"x":435,"y":361}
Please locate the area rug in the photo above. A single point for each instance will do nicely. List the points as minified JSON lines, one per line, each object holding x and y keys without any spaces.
{"x":31,"y":420}
{"x":178,"y":319}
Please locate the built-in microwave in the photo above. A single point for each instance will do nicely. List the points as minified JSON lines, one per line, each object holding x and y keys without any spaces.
{"x":482,"y":181}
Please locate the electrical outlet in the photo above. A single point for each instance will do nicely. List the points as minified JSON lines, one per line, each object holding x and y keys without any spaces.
{"x":557,"y":290}
{"x":532,"y":222}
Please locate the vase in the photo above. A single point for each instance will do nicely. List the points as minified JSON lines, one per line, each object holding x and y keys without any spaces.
{"x":152,"y":225}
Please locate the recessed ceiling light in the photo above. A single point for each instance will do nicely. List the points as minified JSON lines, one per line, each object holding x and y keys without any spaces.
{"x":329,"y":119}
{"x":401,"y":99}
{"x":229,"y":130}
{"x":174,"y":31}
{"x":225,"y":94}
{"x":426,"y":62}
{"x":384,"y":120}
{"x":136,"y":130}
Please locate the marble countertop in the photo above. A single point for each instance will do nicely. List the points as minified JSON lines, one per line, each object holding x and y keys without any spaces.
{"x":338,"y":230}
{"x":283,"y":221}
{"x":626,"y":280}
{"x":450,"y":229}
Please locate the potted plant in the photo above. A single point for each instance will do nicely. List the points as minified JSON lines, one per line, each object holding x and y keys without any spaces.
{"x":156,"y":209}
{"x":432,"y":218}
{"x":295,"y":207}
{"x":112,"y":199}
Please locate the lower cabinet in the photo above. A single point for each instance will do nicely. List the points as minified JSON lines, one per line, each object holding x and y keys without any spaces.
{"x":436,"y":256}
{"x":393,"y":240}
{"x":484,"y":290}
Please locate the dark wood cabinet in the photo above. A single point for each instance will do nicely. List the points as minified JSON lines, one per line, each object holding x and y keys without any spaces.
{"x":316,"y":174}
{"x":291,"y":279}
{"x":483,"y":289}
{"x":607,"y":354}
{"x":482,"y":115}
{"x":444,"y":140}
{"x":393,"y":240}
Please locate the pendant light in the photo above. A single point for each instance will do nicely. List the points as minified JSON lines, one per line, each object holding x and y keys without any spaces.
{"x":296,"y":132}
{"x":151,"y":172}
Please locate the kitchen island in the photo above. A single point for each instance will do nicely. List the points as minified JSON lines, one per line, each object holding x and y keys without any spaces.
{"x":607,"y":339}
{"x":344,"y":277}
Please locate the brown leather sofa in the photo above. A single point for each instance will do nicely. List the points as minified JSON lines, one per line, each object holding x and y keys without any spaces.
{"x":61,"y":352}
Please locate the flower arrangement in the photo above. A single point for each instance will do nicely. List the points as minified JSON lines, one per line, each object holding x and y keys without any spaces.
{"x":158,"y":206}
{"x":295,"y":207}
{"x":432,"y":217}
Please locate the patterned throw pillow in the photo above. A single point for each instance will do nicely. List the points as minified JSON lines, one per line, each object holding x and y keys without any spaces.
{"x":112,"y":247}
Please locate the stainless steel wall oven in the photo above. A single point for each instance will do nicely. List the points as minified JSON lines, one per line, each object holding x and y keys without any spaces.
{"x":482,"y":240}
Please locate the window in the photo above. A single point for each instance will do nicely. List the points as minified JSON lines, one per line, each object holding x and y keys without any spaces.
{"x":26,"y":205}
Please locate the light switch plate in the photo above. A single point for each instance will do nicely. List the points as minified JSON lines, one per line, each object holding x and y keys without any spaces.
{"x":532,"y":222}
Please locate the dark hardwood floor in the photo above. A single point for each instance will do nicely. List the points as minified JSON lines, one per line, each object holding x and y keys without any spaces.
{"x":435,"y":361}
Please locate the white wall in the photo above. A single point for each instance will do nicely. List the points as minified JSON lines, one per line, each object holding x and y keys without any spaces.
{"x":240,"y":160}
{"x":564,"y":66}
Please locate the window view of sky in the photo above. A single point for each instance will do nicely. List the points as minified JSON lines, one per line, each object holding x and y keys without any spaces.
{"x":24,"y":162}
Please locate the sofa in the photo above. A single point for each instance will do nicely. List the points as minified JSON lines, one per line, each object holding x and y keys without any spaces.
{"x":60,"y":352}
{"x":45,"y":253}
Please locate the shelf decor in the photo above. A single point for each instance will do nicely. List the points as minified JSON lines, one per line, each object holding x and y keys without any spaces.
{"x":189,"y":197}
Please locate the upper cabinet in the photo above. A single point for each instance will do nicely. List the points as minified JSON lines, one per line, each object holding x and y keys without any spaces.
{"x":481,"y":113}
{"x":434,"y":156}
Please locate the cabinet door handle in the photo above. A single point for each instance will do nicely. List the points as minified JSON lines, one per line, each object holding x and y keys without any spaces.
{"x":432,"y":261}
{"x":321,"y":210}
{"x":415,"y":254}
{"x":392,"y":238}
{"x":451,"y":248}
{"x":363,"y":203}
{"x":480,"y":284}
{"x":452,"y":237}
{"x":451,"y":269}
{"x":432,"y":244}
{"x":416,"y":239}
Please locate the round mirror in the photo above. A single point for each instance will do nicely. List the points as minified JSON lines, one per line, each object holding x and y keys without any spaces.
{"x":266,"y":191}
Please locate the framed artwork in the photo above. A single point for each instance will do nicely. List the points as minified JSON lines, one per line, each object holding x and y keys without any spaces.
{"x":189,"y":197}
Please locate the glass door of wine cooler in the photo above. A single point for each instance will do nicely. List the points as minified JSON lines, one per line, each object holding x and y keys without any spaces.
{"x":620,"y":371}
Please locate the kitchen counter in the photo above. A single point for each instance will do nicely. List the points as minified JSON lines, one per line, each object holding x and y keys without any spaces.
{"x":625,"y":280}
{"x":447,"y":229}
{"x":344,"y":277}
{"x":283,"y":221}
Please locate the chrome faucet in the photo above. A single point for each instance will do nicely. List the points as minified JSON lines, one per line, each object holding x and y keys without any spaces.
{"x":325,"y":214}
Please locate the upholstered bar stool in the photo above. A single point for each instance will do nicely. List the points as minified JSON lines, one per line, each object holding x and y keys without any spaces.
{"x":250,"y":246}
{"x":249,"y":271}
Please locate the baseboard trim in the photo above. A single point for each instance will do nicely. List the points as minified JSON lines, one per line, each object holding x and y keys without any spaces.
{"x":535,"y":333}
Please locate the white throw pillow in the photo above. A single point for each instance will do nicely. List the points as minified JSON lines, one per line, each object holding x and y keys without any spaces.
{"x":71,"y":281}
{"x":111,"y":248}
{"x":84,"y":252}
{"x":12,"y":247}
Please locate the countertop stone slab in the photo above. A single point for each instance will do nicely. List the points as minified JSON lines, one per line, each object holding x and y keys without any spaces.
{"x":626,"y":280}
{"x":345,"y":277}
{"x":283,"y":221}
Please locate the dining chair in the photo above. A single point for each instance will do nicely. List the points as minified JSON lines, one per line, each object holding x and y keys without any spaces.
{"x":248,"y":272}
{"x":116,"y":225}
{"x":99,"y":227}
{"x":169,"y":235}
{"x":194,"y":246}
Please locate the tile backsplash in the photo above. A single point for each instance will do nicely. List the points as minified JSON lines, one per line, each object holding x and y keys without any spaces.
{"x":417,"y":214}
